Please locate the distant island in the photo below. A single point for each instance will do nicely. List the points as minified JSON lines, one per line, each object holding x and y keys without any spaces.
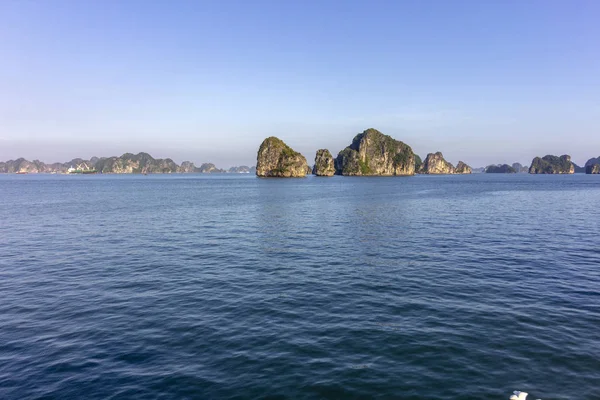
{"x":552,"y":165}
{"x":500,"y":169}
{"x":128,"y":163}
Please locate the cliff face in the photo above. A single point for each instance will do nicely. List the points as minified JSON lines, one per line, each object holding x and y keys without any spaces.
{"x":462,"y":168}
{"x":277,"y":159}
{"x":592,"y":169}
{"x":435,"y":164}
{"x":324,"y":164}
{"x":373,"y":153}
{"x":552,"y":165}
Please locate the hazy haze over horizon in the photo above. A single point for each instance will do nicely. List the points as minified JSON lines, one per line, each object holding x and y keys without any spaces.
{"x":483,"y":82}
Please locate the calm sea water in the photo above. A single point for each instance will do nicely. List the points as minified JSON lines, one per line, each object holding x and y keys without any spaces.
{"x":233,"y":287}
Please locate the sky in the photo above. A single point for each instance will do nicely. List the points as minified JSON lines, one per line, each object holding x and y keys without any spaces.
{"x":483,"y":81}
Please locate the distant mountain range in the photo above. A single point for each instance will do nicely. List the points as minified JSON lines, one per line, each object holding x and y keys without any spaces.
{"x":128,"y":163}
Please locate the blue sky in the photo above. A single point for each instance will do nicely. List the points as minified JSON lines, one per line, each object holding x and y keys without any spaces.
{"x":482,"y":81}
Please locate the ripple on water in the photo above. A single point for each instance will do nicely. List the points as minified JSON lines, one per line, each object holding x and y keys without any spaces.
{"x":204,"y":287}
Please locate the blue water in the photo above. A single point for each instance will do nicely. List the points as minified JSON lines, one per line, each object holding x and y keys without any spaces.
{"x":233,"y":287}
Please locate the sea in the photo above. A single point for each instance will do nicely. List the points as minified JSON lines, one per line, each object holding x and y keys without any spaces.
{"x":236,"y":287}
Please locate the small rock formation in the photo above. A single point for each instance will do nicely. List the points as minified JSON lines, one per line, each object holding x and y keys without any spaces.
{"x":209,"y":168}
{"x":462,"y":168}
{"x":277,"y":159}
{"x":592,"y":169}
{"x":309,"y":170}
{"x":187,"y":167}
{"x":373,"y":153}
{"x":520,"y":168}
{"x":324,"y":164}
{"x":552,"y":165}
{"x":435,"y":164}
{"x":500,"y":169}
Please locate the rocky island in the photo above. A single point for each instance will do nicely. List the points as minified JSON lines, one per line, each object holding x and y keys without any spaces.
{"x":520,"y":168}
{"x":324,"y":163}
{"x":500,"y":169}
{"x":462,"y":168}
{"x":277,"y":159}
{"x":552,"y":165}
{"x":128,"y":163}
{"x":592,"y":166}
{"x":435,"y":164}
{"x":374,"y":154}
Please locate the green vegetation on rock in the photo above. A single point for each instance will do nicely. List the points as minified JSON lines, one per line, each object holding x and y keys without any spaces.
{"x":500,"y":169}
{"x":277,"y":159}
{"x":324,"y":163}
{"x":435,"y":164}
{"x":552,"y":165}
{"x":373,"y":153}
{"x":418,"y":163}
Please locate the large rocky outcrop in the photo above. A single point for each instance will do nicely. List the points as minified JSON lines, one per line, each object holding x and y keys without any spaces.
{"x":462,"y":168}
{"x":435,"y":164}
{"x":324,"y":163}
{"x":373,"y":153}
{"x":592,"y":169}
{"x":277,"y":159}
{"x":552,"y":165}
{"x":592,"y":161}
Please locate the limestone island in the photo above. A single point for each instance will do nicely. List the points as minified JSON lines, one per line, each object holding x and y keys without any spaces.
{"x":374,"y":154}
{"x":324,"y":163}
{"x":500,"y":169}
{"x":435,"y":164}
{"x":277,"y":159}
{"x":592,"y":166}
{"x":552,"y":165}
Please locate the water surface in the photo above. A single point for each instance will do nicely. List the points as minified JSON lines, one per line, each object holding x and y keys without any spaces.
{"x":233,"y":287}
